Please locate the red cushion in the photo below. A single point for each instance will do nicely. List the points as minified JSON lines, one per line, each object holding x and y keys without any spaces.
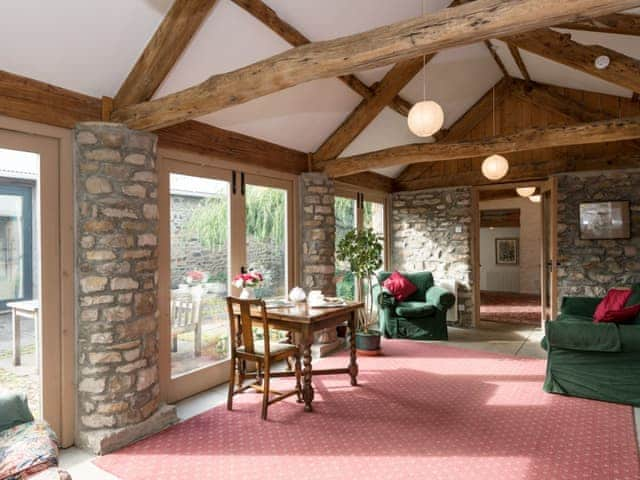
{"x":624,"y":315}
{"x":400,"y":287}
{"x":613,"y":301}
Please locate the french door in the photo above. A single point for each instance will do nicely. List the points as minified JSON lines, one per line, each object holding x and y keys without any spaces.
{"x":31,"y":279}
{"x":214,"y":222}
{"x":358,"y":210}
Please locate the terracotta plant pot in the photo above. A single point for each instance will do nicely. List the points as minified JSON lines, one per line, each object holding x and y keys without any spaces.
{"x":368,"y":343}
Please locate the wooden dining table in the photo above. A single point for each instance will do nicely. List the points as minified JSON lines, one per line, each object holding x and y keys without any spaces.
{"x":303,"y":321}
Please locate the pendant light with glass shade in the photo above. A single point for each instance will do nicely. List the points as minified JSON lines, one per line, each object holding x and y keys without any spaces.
{"x":495,"y":167}
{"x":525,"y":191}
{"x":425,"y":118}
{"x":536,"y":198}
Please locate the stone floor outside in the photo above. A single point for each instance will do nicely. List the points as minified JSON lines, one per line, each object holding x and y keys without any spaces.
{"x":22,"y":378}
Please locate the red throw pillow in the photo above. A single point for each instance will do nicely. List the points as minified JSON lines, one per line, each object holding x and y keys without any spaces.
{"x":612,"y":302}
{"x":621,"y":316}
{"x":400,"y":287}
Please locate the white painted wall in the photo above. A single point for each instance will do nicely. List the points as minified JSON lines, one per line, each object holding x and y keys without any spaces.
{"x":530,"y":241}
{"x":493,"y":277}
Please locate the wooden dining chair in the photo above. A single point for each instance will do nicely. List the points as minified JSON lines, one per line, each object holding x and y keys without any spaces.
{"x":244,"y":347}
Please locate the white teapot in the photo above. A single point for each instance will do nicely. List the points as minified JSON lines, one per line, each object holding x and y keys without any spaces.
{"x":297,"y":295}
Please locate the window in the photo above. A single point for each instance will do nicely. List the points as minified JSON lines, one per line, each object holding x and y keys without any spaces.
{"x":357,"y":210}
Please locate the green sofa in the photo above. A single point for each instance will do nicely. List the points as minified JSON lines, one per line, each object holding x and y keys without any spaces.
{"x":600,"y":361}
{"x":422,"y":316}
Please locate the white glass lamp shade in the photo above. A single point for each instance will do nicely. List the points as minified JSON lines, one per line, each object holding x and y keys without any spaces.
{"x":495,"y":167}
{"x":535,"y":198}
{"x":525,"y":191}
{"x":425,"y":118}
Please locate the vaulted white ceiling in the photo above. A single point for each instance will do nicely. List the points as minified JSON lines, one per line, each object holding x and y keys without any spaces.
{"x":91,"y":45}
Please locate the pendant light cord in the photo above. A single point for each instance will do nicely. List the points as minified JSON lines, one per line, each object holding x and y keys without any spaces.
{"x":424,"y":64}
{"x":493,"y":108}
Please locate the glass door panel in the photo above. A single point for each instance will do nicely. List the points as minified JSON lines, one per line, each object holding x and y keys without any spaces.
{"x":266,"y":235}
{"x":199,"y":271}
{"x":373,"y":217}
{"x":15,"y":244}
{"x":346,"y":219}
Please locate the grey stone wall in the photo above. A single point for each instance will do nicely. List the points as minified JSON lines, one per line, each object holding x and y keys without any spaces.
{"x":591,"y":267}
{"x":317,"y":193}
{"x":432,"y":231}
{"x":116,"y":286}
{"x":189,"y":253}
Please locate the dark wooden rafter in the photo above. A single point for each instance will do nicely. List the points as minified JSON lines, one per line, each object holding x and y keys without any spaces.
{"x":623,"y":70}
{"x":617,"y":23}
{"x":496,"y":58}
{"x":528,"y":139}
{"x":500,"y":218}
{"x":515,"y":53}
{"x":526,"y":171}
{"x":476,"y":21}
{"x":472,"y":117}
{"x":370,"y":181}
{"x":163,"y":50}
{"x":291,"y":35}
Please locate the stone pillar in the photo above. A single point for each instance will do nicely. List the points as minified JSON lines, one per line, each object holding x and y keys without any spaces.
{"x":116,"y":287}
{"x":317,"y":193}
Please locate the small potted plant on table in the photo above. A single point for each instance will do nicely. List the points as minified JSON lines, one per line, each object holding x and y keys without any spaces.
{"x":363,"y":251}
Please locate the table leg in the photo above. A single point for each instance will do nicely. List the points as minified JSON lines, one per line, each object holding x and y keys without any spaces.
{"x":15,"y":322}
{"x":353,"y":363}
{"x":307,"y":388}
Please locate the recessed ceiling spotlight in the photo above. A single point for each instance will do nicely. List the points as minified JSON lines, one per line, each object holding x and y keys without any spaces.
{"x":602,"y":62}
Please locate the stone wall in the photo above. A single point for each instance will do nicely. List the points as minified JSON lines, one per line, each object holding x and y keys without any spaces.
{"x":318,"y":233}
{"x":432,"y":231}
{"x":591,"y":267}
{"x":116,"y":292}
{"x":189,"y":253}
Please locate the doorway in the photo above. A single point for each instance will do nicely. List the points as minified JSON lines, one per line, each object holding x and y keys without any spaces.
{"x":513,"y":288}
{"x":215,"y":223}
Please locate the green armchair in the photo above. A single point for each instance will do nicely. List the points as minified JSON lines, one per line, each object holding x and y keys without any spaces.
{"x":600,"y":361}
{"x":422,"y":316}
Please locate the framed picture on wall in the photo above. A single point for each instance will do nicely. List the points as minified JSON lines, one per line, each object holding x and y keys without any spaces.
{"x":604,"y":220}
{"x":507,"y":251}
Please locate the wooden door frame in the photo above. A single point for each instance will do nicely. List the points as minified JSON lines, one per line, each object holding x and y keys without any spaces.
{"x":475,"y":236}
{"x":57,"y":268}
{"x":550,"y":186}
{"x":204,"y":378}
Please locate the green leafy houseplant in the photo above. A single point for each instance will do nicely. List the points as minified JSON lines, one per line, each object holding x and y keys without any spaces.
{"x":363,"y":251}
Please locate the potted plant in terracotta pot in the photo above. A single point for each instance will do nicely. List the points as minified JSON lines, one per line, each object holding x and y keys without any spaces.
{"x":363,"y":251}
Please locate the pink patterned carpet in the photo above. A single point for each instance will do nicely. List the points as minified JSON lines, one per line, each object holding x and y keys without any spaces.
{"x":423,"y":411}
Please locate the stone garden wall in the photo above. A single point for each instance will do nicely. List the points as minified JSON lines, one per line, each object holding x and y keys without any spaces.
{"x":189,"y":253}
{"x":116,"y":277}
{"x":432,"y":231}
{"x":591,"y":267}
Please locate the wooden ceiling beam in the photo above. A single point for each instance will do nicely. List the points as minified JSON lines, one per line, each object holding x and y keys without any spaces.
{"x":370,"y":181}
{"x":291,"y":35}
{"x":473,"y":22}
{"x":496,"y":58}
{"x":35,"y":101}
{"x":515,"y":53}
{"x":558,"y":47}
{"x":368,"y":109}
{"x":461,"y":128}
{"x":525,"y":171}
{"x":163,"y":50}
{"x":528,"y":139}
{"x":618,"y":23}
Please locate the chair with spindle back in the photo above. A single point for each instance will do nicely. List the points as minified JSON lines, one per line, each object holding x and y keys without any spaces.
{"x":244,"y":347}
